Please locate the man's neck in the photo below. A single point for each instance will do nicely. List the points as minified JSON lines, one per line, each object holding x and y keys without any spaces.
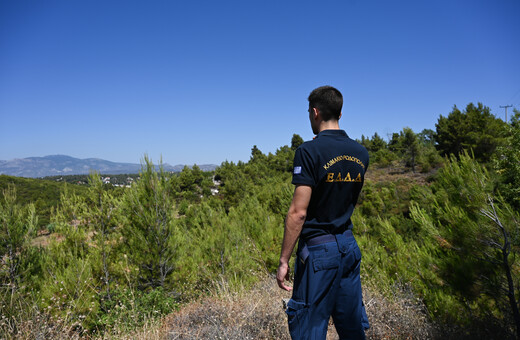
{"x":329,"y":125}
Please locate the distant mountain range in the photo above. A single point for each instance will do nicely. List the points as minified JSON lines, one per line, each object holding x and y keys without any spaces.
{"x":65,"y":165}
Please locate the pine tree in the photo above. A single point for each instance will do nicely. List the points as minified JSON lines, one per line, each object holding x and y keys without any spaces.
{"x":101,"y":216}
{"x":507,"y":163}
{"x":478,"y":234}
{"x":410,"y":146}
{"x":150,"y":232}
{"x":475,"y":130}
{"x":17,"y":225}
{"x":296,"y":141}
{"x":377,"y":143}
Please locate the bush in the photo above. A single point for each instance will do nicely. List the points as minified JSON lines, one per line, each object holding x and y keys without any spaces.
{"x":129,"y":310}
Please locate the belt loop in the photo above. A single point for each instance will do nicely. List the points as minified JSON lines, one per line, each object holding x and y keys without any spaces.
{"x":341,"y":240}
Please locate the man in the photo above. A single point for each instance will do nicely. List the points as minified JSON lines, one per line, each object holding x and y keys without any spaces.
{"x":328,"y":175}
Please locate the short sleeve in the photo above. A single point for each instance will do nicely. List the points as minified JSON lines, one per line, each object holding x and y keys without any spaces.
{"x":303,"y":168}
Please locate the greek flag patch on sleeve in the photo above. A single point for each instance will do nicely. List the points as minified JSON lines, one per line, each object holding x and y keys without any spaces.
{"x":297,"y":170}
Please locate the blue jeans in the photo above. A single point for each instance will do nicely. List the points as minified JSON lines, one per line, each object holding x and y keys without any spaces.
{"x":327,"y":283}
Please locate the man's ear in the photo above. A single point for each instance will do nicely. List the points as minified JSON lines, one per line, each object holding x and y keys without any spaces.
{"x":340,"y":114}
{"x":315,"y":113}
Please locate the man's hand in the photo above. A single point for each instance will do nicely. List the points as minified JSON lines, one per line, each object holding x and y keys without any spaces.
{"x":283,"y":274}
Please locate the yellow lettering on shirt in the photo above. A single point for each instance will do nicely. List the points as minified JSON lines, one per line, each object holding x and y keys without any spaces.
{"x":332,"y":177}
{"x":343,"y":158}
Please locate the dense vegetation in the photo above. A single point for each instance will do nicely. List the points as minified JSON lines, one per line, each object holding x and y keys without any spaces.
{"x":44,"y":194}
{"x":438,"y":216}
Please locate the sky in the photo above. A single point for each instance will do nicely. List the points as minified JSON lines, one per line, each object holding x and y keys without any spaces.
{"x":202,"y":82}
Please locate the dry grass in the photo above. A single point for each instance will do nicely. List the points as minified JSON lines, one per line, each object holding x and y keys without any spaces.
{"x":401,"y":316}
{"x":36,"y":326}
{"x":42,"y":327}
{"x":396,"y":173}
{"x":258,"y":314}
{"x":152,"y":330}
{"x":253,"y":314}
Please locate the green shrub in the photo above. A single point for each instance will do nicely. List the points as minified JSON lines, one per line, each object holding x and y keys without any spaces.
{"x":130,"y":309}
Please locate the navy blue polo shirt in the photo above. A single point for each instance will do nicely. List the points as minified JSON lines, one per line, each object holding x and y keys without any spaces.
{"x":334,"y":166}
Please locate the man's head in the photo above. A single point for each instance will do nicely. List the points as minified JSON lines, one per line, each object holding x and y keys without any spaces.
{"x":328,"y":101}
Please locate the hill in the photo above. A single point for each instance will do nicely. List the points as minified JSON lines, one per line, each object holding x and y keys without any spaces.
{"x":57,"y":165}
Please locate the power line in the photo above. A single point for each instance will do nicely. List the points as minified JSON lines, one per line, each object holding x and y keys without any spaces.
{"x":505,"y":107}
{"x":514,"y":96}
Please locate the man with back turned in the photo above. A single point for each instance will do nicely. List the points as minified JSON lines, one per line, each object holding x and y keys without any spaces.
{"x":328,"y":176}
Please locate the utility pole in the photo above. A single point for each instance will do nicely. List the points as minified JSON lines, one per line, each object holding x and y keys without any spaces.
{"x":505,"y":107}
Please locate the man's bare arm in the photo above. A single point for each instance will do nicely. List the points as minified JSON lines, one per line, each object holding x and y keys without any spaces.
{"x":293,"y":227}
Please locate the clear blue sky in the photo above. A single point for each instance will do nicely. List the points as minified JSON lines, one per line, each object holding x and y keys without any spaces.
{"x":204,"y":81}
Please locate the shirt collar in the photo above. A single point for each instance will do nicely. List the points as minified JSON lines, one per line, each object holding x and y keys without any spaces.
{"x":332,"y":133}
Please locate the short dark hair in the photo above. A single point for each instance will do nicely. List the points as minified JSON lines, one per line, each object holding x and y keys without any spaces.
{"x":328,"y":100}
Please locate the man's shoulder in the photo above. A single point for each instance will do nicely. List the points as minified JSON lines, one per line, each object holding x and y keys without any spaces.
{"x":325,"y":142}
{"x":355,"y":144}
{"x":342,"y":142}
{"x":307,"y":144}
{"x":359,"y":150}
